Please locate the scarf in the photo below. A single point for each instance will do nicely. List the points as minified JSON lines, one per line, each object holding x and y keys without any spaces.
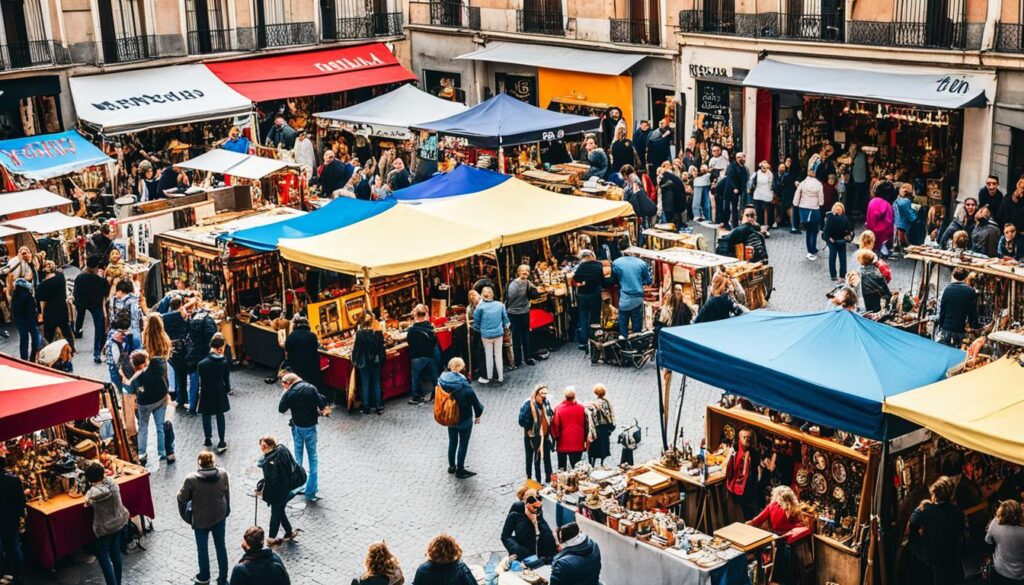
{"x":543,"y":419}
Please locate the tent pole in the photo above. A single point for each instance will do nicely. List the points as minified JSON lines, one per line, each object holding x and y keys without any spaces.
{"x":663,"y":409}
{"x":501,"y":159}
{"x":679,"y":411}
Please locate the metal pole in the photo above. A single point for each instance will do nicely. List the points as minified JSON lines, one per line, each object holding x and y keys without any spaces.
{"x":663,"y":411}
{"x":679,"y":412}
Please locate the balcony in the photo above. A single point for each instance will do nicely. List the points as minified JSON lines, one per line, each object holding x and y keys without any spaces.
{"x":372,"y":25}
{"x":539,"y":22}
{"x":277,"y":35}
{"x":1009,"y":38}
{"x":634,"y":32}
{"x":33,"y":54}
{"x":128,"y":49}
{"x":446,"y":13}
{"x":215,"y":41}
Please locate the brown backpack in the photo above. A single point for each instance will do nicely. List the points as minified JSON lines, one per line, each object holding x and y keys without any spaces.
{"x":446,"y":410}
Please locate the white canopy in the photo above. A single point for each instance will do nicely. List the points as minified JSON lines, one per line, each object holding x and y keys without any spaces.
{"x":30,"y":200}
{"x":391,"y":114}
{"x":47,"y":223}
{"x":136,"y":100}
{"x":226,"y":162}
{"x":552,"y":57}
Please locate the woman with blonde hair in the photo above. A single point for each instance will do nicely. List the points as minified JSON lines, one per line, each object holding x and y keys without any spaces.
{"x":381,"y":567}
{"x":535,"y":417}
{"x":1006,"y":533}
{"x":721,"y":305}
{"x":155,"y":339}
{"x":872,"y":283}
{"x":782,"y":517}
{"x":837,"y":234}
{"x":444,"y":564}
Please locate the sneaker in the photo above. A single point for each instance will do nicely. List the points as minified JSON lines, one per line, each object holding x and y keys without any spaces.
{"x":482,"y":380}
{"x":207,"y":442}
{"x":171,"y":459}
{"x":222,"y":447}
{"x":767,"y":234}
{"x":464,"y":473}
{"x":416,"y":401}
{"x":531,"y":362}
{"x":811,"y":257}
{"x":78,"y":334}
{"x":199,"y":580}
{"x":143,"y":460}
{"x":794,"y":231}
{"x":96,"y":360}
{"x":451,"y":469}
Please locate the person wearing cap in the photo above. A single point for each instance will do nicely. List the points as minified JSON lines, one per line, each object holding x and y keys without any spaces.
{"x":589,"y":280}
{"x":305,"y":155}
{"x":302,"y":353}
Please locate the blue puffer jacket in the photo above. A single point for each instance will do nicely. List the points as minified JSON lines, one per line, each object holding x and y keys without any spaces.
{"x":464,"y":395}
{"x":577,"y":565}
{"x":490,"y":318}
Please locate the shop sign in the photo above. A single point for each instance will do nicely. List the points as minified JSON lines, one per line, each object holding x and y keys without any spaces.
{"x":521,"y":87}
{"x":698,"y":71}
{"x":149,"y":99}
{"x":344,"y":64}
{"x":52,"y":149}
{"x":713,"y":100}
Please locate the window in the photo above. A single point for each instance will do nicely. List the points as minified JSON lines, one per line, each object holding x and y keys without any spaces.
{"x":25,"y":31}
{"x":643,"y":27}
{"x":542,"y":17}
{"x":930,"y":23}
{"x":123,"y":31}
{"x":357,"y":19}
{"x":208,"y":27}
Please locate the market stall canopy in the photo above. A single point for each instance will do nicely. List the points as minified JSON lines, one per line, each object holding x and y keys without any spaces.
{"x":289,"y":75}
{"x":129,"y":101}
{"x":505,"y":121}
{"x":943,"y":89}
{"x":834,"y":368}
{"x":461,"y":180}
{"x":7,"y":231}
{"x":552,"y":57}
{"x":401,"y":239}
{"x":520,"y":212}
{"x":391,"y":114}
{"x":31,"y":200}
{"x":209,"y":235}
{"x":339,"y":213}
{"x":50,"y":155}
{"x":981,"y":409}
{"x":226,"y":162}
{"x":47,"y":223}
{"x":34,"y":397}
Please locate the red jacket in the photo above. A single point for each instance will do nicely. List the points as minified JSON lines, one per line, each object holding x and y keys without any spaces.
{"x":569,"y":427}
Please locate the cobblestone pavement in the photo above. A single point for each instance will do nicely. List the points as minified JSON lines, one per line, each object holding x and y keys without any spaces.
{"x":384,"y":477}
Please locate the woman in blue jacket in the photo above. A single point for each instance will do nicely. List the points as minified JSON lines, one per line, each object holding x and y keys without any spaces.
{"x":535,"y":417}
{"x":491,"y":319}
{"x":470,"y":409}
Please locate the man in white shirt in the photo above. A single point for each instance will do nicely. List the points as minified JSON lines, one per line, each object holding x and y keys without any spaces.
{"x":719,"y":159}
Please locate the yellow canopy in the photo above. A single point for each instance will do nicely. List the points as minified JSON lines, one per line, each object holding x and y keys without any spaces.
{"x":982,"y":409}
{"x":401,"y":239}
{"x":520,"y":212}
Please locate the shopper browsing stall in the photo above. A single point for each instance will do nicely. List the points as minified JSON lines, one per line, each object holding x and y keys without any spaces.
{"x":742,"y":474}
{"x":985,"y":238}
{"x":521,"y":293}
{"x":963,"y":220}
{"x":721,"y":305}
{"x":632,"y":274}
{"x":590,"y":281}
{"x":1011,"y":244}
{"x":12,"y":508}
{"x":368,"y":357}
{"x":958,"y":307}
{"x":491,"y":320}
{"x":807,"y":200}
{"x":579,"y":559}
{"x":1006,"y":534}
{"x":936,"y":534}
{"x":301,"y":349}
{"x":1011,"y":209}
{"x":535,"y":417}
{"x":526,"y":533}
{"x":596,"y":158}
{"x":204,"y":503}
{"x":874,"y":289}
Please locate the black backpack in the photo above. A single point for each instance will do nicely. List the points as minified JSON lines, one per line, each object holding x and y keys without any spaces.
{"x":756,"y":241}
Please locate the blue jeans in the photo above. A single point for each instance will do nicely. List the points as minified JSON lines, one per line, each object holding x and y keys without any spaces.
{"x":634,"y":316}
{"x":108,"y":557}
{"x":588,"y":308}
{"x":369,"y":383}
{"x":418,"y":366}
{"x":701,"y":203}
{"x":14,"y":558}
{"x":29,"y":331}
{"x":305,"y":438}
{"x":98,"y":327}
{"x":193,"y":391}
{"x":837,"y":250}
{"x":203,"y":549}
{"x":157,"y":411}
{"x":458,"y":443}
{"x":809,"y":217}
{"x":208,"y":426}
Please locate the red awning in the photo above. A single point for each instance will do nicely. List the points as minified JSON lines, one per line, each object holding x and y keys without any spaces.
{"x":35,"y":397}
{"x":312,"y":72}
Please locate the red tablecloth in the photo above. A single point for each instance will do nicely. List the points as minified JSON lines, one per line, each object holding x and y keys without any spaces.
{"x":62,"y":525}
{"x":394,"y":376}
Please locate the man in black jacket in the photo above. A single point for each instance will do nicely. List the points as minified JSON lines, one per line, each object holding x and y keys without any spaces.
{"x":640,"y":137}
{"x":12,"y":508}
{"x":673,"y":196}
{"x":307,"y":405}
{"x":89,"y":295}
{"x":423,"y":354}
{"x":302,"y":351}
{"x":590,"y":281}
{"x":659,"y":145}
{"x":958,"y":306}
{"x":737,"y":176}
{"x":579,"y":561}
{"x":990,"y":196}
{"x":334,"y":174}
{"x":259,"y":565}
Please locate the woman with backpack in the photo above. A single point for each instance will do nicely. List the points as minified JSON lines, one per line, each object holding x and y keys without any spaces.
{"x":26,"y":318}
{"x":109,"y":517}
{"x":201,"y":329}
{"x":368,"y":355}
{"x":469,"y":409}
{"x":280,"y":473}
{"x":535,"y":417}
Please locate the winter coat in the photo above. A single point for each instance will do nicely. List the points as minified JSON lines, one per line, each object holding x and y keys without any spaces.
{"x":277,"y":467}
{"x":531,"y":424}
{"x":569,"y":427}
{"x":368,"y":349}
{"x":209,"y":491}
{"x":431,"y":573}
{"x":302,"y":354}
{"x":23,"y":303}
{"x":109,"y":514}
{"x":984,"y":240}
{"x":521,"y":538}
{"x":491,"y":319}
{"x":201,"y":329}
{"x":260,"y":567}
{"x":577,"y":565}
{"x":305,"y":401}
{"x":945,"y":240}
{"x":810,"y":194}
{"x":673,"y":194}
{"x":12,"y":501}
{"x":880,"y":220}
{"x":214,"y":384}
{"x":464,"y":395}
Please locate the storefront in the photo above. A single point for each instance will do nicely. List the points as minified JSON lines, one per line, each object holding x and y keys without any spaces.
{"x":30,"y":106}
{"x":718,"y":111}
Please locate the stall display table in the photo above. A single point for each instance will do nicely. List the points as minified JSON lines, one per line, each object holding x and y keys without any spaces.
{"x":61,"y":525}
{"x":708,"y":509}
{"x":395,"y":375}
{"x":260,"y":346}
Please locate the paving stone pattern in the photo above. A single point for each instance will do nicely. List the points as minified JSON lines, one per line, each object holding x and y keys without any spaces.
{"x":384,"y":477}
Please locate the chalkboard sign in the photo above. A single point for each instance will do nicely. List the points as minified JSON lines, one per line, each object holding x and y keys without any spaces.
{"x":521,"y":87}
{"x":713,"y":100}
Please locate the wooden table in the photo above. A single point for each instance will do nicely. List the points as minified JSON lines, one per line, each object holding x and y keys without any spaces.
{"x":61,"y":525}
{"x":709,"y":511}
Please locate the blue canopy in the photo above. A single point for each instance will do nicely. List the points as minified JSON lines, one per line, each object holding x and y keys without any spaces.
{"x":341,"y":212}
{"x":464,"y":179}
{"x":834,"y":368}
{"x":50,"y":155}
{"x":505,"y":121}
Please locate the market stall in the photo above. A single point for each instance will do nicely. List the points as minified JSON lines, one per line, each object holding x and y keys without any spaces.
{"x":43,"y":420}
{"x":27,"y":161}
{"x":32,"y":202}
{"x":55,"y":234}
{"x":390,"y":115}
{"x":818,"y":414}
{"x":269,"y":180}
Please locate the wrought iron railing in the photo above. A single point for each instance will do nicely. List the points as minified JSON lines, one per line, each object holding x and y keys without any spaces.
{"x":634,"y":31}
{"x":33,"y":54}
{"x":203,"y":42}
{"x":277,"y":35}
{"x":539,"y":22}
{"x":368,"y":26}
{"x":128,"y":49}
{"x":1009,"y":37}
{"x":453,"y":13}
{"x":720,"y":19}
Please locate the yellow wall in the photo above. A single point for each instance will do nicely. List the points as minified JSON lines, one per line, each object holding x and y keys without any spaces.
{"x":609,"y":89}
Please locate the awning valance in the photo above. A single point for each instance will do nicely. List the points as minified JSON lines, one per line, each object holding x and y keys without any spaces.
{"x":47,"y":223}
{"x":939,"y":89}
{"x":337,"y":214}
{"x":130,"y":101}
{"x":35,"y":397}
{"x":31,"y":200}
{"x":554,"y":57}
{"x":981,"y":409}
{"x":226,"y":162}
{"x":306,"y":73}
{"x":391,"y":114}
{"x":50,"y":155}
